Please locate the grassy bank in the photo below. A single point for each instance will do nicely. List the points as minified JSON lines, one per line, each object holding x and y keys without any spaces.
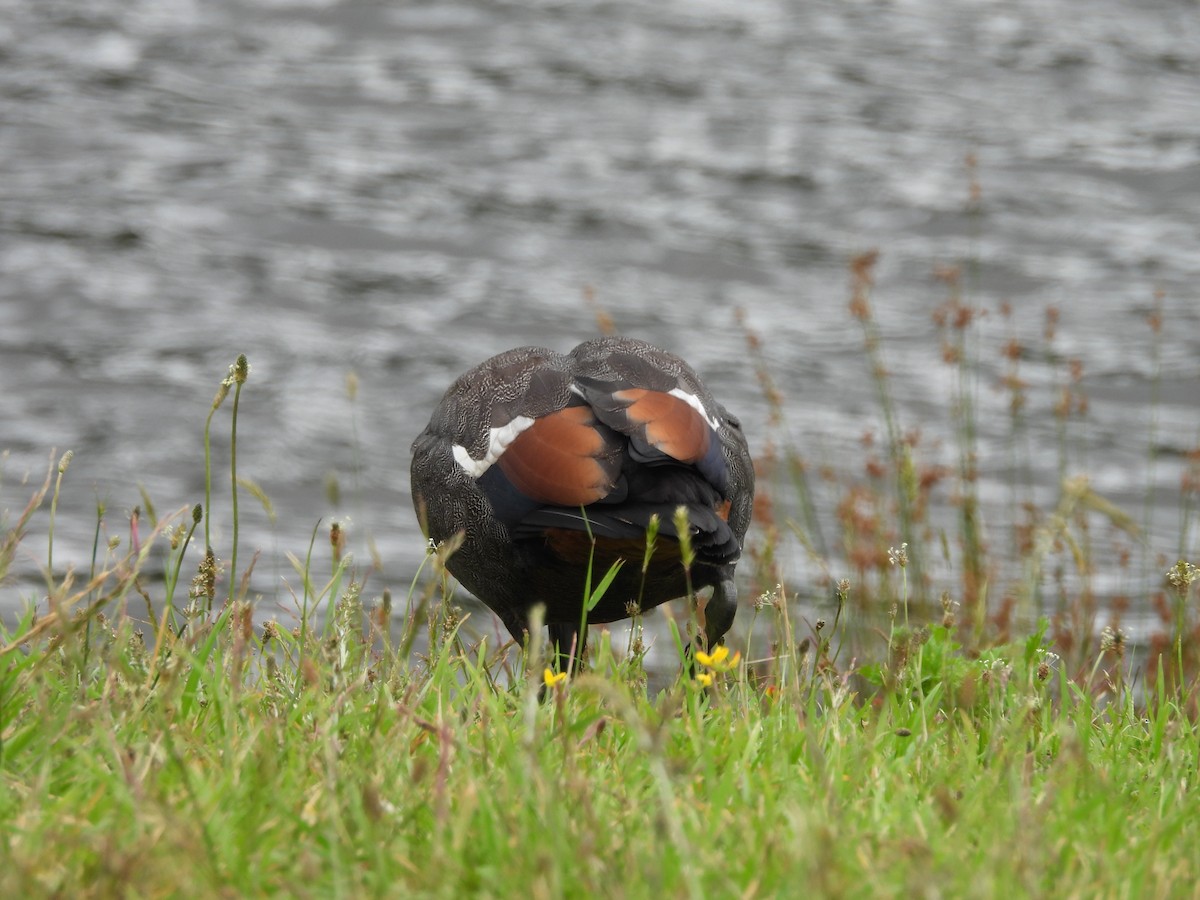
{"x":157,"y":738}
{"x":236,"y":761}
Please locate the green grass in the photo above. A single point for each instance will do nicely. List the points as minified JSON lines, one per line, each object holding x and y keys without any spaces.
{"x":238,"y":761}
{"x":933,"y":739}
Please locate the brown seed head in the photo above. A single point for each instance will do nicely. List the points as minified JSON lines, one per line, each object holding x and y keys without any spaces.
{"x":1051,"y":323}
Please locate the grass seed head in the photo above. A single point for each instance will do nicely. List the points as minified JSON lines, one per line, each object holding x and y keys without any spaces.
{"x":1112,"y":640}
{"x":240,"y":370}
{"x":686,"y":552}
{"x":1181,"y":575}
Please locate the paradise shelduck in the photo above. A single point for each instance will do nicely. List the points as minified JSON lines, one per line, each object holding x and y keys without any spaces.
{"x":548,"y":461}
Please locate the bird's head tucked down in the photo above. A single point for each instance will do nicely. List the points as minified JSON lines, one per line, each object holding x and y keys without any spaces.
{"x":553,"y":466}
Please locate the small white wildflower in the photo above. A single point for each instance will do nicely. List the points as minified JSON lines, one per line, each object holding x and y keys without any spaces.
{"x":1047,"y":662}
{"x":1182,"y":574}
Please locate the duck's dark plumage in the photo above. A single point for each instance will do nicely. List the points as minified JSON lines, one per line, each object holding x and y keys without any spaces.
{"x":532,"y":450}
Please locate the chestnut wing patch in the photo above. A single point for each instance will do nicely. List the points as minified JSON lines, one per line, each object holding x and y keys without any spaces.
{"x":671,"y":425}
{"x":664,"y":427}
{"x":567,"y":458}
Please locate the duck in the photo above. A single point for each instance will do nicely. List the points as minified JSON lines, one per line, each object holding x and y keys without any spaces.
{"x":552,"y":467}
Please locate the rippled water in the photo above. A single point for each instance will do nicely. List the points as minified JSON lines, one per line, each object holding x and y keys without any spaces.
{"x":399,"y":190}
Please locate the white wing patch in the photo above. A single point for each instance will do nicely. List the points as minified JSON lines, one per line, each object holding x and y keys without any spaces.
{"x":694,"y":402}
{"x":498,"y":441}
{"x":690,"y":399}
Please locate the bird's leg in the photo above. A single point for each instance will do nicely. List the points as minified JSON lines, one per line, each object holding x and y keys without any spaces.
{"x":562,"y":639}
{"x":566,"y":642}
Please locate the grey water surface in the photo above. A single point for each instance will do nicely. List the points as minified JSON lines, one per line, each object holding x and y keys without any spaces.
{"x":398,"y":190}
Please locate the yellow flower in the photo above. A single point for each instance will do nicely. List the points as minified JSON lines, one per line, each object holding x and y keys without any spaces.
{"x":552,"y":678}
{"x":719,"y":660}
{"x":704,"y":678}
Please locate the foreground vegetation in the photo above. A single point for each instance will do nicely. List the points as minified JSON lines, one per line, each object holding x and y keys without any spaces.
{"x":964,"y":738}
{"x":238,"y":761}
